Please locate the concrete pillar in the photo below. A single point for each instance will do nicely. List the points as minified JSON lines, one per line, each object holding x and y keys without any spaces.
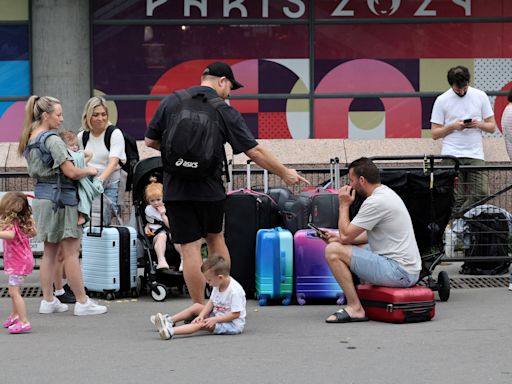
{"x":60,"y":54}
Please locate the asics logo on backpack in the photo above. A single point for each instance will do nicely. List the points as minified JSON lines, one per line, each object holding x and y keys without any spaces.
{"x":186,"y":164}
{"x":193,"y":144}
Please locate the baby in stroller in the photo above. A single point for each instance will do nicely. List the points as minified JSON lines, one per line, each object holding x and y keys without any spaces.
{"x":157,"y":223}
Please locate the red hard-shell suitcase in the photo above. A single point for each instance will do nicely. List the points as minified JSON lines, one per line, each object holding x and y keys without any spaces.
{"x":397,"y":305}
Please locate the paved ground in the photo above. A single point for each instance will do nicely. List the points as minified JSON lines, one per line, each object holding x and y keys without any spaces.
{"x":467,"y":342}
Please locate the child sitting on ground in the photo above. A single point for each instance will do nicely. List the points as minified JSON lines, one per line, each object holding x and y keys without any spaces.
{"x":16,"y":227}
{"x":224,"y":314}
{"x":87,"y":189}
{"x":158,"y":223}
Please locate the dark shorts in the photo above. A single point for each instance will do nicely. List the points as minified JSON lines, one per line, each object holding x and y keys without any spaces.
{"x":191,"y":220}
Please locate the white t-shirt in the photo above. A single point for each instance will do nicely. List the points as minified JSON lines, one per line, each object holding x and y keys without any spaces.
{"x":232,"y":299}
{"x":101,"y":155}
{"x":389,"y":228}
{"x":449,"y":108}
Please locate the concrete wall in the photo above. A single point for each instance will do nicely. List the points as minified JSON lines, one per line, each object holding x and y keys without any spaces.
{"x":60,"y":54}
{"x":310,"y":152}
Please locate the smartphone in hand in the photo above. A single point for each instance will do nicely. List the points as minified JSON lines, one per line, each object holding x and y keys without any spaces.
{"x":467,"y":121}
{"x":319,"y":232}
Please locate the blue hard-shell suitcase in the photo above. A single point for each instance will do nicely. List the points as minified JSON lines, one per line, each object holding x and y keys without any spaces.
{"x":274,"y":265}
{"x":109,"y":261}
{"x":313,"y":277}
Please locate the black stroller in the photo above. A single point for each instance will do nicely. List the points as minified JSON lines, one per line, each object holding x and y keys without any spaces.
{"x":154,"y":282}
{"x":428,"y":194}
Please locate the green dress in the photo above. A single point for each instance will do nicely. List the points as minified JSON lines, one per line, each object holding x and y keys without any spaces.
{"x":52,"y":226}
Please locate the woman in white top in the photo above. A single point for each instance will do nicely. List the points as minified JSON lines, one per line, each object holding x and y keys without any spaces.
{"x":506,"y":124}
{"x":95,"y":123}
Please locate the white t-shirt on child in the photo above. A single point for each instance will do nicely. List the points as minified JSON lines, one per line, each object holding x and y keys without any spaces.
{"x":232,"y":299}
{"x":152,"y":213}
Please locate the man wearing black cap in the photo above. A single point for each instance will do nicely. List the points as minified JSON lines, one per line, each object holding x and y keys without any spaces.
{"x":196,"y":207}
{"x":459,"y":117}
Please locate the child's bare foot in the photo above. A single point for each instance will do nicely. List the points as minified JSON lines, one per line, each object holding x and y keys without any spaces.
{"x":81,"y":220}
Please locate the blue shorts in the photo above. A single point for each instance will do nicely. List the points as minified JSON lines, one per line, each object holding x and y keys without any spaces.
{"x":379,"y":270}
{"x":228,"y":328}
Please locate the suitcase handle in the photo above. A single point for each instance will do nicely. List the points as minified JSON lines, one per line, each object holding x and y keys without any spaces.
{"x":96,"y":234}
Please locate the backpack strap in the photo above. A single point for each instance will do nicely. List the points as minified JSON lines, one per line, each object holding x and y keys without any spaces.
{"x":108,"y":135}
{"x":40,"y":145}
{"x":216,"y":102}
{"x":106,"y":138}
{"x":85,"y":138}
{"x":183,"y":95}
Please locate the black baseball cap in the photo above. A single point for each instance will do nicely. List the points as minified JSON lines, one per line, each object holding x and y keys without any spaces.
{"x":221,"y":69}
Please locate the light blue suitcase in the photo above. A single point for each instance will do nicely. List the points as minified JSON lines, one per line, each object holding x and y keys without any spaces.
{"x":274,"y":265}
{"x":109,"y":261}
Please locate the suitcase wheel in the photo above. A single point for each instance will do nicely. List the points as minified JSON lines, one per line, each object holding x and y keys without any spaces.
{"x":262,"y":300}
{"x":110,"y":296}
{"x":287,"y":300}
{"x":159,"y":292}
{"x":301,"y":298}
{"x":341,"y":299}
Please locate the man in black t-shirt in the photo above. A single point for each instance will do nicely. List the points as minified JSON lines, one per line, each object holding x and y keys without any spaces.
{"x":196,"y":207}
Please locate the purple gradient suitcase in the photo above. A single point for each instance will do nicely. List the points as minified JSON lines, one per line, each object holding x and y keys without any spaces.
{"x":313,"y":277}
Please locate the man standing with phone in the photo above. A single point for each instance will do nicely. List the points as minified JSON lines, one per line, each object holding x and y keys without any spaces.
{"x":459,"y":117}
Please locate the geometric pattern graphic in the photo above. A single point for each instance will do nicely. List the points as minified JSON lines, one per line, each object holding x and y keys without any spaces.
{"x":402,"y":114}
{"x":14,"y":10}
{"x":14,"y":81}
{"x":433,"y":73}
{"x":297,"y":112}
{"x":14,"y":66}
{"x":494,"y":74}
{"x":272,"y":125}
{"x":367,"y":125}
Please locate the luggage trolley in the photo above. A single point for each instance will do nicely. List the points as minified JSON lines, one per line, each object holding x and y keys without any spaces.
{"x":428,"y":194}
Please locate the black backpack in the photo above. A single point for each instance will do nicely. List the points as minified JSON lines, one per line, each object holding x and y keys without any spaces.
{"x":489,"y":234}
{"x":130,"y":148}
{"x":192,"y":145}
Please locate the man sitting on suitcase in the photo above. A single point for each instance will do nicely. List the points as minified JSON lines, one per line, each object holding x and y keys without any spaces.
{"x":392,"y":258}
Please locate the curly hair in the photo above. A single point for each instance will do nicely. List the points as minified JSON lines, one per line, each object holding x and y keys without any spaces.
{"x":14,"y":208}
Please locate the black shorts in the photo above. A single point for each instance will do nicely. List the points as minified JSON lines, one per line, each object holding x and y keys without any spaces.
{"x":191,"y":220}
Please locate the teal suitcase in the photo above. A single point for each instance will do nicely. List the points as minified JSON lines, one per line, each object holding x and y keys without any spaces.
{"x":274,"y":265}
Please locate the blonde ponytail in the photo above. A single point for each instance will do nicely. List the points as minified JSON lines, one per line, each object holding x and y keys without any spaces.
{"x":33,"y":114}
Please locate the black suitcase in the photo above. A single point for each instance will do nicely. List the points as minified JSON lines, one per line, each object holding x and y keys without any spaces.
{"x":296,"y":213}
{"x":246,"y":211}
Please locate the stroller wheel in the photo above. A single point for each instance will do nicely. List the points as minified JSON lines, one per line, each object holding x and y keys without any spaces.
{"x":443,"y":282}
{"x":159,"y":292}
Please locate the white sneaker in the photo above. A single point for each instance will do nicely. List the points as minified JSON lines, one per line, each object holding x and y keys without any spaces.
{"x":165,"y":328}
{"x":152,"y":318}
{"x":89,"y":308}
{"x":52,"y":306}
{"x":510,"y":287}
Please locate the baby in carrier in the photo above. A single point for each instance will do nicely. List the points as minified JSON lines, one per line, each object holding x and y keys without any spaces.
{"x":158,"y":223}
{"x":88,"y":188}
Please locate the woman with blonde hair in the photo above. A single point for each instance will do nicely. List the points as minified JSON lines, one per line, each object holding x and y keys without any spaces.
{"x":96,"y":129}
{"x":55,"y":205}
